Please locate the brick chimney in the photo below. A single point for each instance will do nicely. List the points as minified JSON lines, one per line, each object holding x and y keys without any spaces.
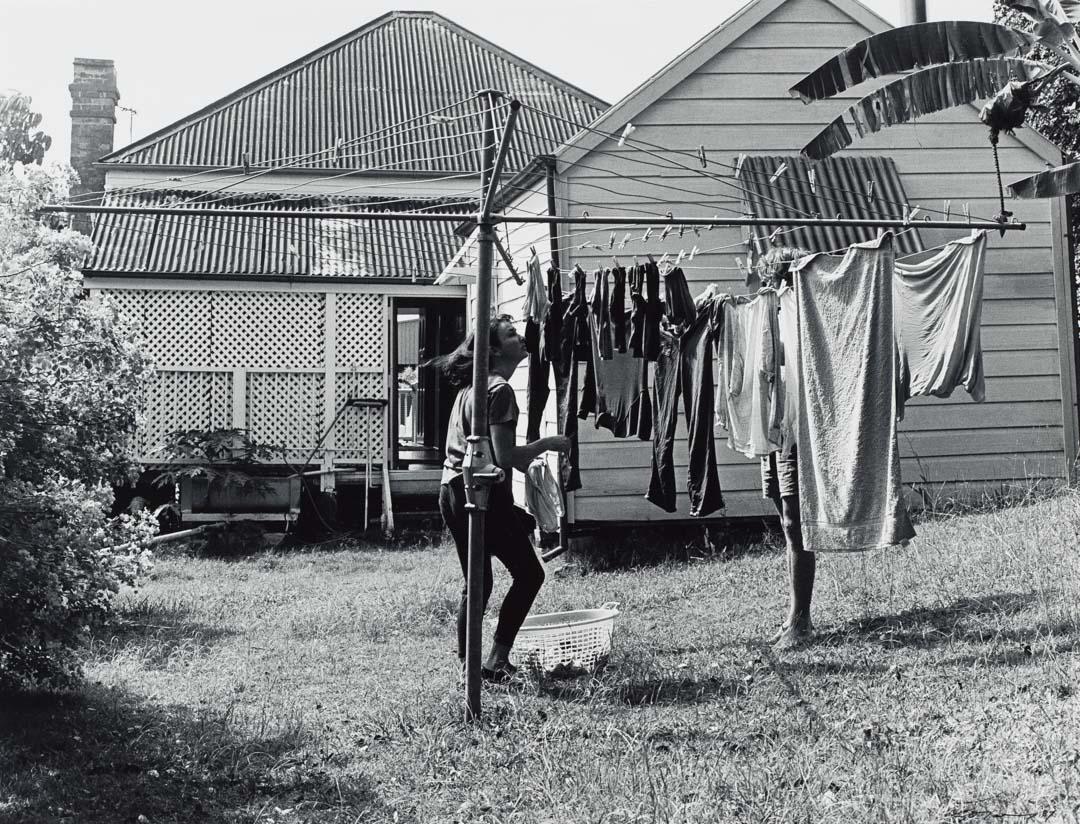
{"x":93,"y":117}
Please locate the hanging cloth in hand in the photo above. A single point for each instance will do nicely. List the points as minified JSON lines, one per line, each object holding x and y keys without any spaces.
{"x":850,"y":496}
{"x":938,"y":308}
{"x":543,"y":498}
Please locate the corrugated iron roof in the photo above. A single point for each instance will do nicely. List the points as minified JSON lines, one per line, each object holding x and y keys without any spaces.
{"x":400,"y":66}
{"x":270,"y":247}
{"x":841,"y":187}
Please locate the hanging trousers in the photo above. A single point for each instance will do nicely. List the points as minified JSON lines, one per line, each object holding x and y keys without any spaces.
{"x":654,"y":308}
{"x":684,"y":366}
{"x":637,"y":315}
{"x":618,"y":307}
{"x":543,"y":343}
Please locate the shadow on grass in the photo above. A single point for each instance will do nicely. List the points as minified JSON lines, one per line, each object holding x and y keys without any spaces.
{"x":102,"y":755}
{"x":647,"y":690}
{"x":158,"y":634}
{"x":966,"y":621}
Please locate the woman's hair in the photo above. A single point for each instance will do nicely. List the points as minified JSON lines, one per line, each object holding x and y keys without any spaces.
{"x":458,"y":365}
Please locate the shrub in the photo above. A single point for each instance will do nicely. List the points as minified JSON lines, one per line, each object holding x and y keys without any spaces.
{"x":61,"y":561}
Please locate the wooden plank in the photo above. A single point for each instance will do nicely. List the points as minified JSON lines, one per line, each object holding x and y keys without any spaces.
{"x":1031,"y":362}
{"x":1017,"y":310}
{"x":942,"y":415}
{"x":1019,"y":337}
{"x":998,"y":287}
{"x":784,"y":60}
{"x":998,"y":440}
{"x":1006,"y":467}
{"x":809,"y":11}
{"x":770,"y":34}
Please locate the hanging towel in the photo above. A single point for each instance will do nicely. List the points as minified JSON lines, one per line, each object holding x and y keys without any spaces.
{"x":789,"y":370}
{"x":749,"y":397}
{"x":849,"y":463}
{"x":938,"y":308}
{"x":543,"y":498}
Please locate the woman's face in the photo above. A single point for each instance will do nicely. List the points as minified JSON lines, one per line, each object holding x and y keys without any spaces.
{"x":511,"y":345}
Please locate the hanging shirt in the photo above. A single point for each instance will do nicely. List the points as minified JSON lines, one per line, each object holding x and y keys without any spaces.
{"x":620,"y":392}
{"x":749,"y":396}
{"x":849,"y":462}
{"x":938,"y":307}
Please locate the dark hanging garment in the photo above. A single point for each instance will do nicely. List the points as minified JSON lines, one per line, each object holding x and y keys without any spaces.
{"x":551,"y":341}
{"x":640,"y":423}
{"x":678,"y":301}
{"x":654,"y":309}
{"x":599,"y":304}
{"x":685,"y":367}
{"x":637,"y":316}
{"x":618,"y":308}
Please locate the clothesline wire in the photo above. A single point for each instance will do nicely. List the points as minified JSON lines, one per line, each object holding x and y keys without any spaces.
{"x":702,"y":172}
{"x":698,"y":171}
{"x":424,"y":118}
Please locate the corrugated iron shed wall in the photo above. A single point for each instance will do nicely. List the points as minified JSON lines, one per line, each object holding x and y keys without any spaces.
{"x":849,"y":187}
{"x":400,"y":66}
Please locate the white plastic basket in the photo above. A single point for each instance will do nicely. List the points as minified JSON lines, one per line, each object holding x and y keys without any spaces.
{"x":566,"y":643}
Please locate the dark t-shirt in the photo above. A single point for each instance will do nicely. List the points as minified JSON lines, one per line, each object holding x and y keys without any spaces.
{"x":502,"y":408}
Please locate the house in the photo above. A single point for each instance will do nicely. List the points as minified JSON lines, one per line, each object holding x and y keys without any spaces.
{"x":269,"y":324}
{"x":727,"y":97}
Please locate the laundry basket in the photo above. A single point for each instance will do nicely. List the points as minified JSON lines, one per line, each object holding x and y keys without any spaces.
{"x":566,"y":643}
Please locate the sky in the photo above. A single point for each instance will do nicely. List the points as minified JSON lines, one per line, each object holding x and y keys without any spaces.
{"x":174,"y":58}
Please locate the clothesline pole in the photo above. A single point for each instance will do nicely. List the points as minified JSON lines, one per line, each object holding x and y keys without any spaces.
{"x":480,"y":473}
{"x":592,"y":220}
{"x":553,"y":238}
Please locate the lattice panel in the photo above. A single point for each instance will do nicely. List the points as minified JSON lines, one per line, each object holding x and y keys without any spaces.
{"x":286,"y":409}
{"x":184,"y":400}
{"x":351,"y":442}
{"x":361,"y":341}
{"x":174,"y":323}
{"x":280,"y":330}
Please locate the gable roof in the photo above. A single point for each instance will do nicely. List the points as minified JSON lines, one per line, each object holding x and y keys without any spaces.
{"x":400,"y":66}
{"x":267,"y":247}
{"x":693,"y":58}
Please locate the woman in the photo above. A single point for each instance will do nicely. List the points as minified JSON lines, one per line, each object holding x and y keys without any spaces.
{"x":505,"y":536}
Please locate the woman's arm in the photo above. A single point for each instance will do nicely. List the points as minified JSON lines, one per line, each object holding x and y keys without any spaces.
{"x":508,"y":454}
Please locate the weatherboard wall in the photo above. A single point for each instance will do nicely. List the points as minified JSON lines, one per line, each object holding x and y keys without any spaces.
{"x":736,"y":101}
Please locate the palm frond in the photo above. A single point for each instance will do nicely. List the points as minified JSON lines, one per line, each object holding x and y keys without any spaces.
{"x":910,"y":47}
{"x":1062,"y":180}
{"x":923,"y":92}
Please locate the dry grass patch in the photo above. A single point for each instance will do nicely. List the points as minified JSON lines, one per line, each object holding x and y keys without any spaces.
{"x":323,"y":687}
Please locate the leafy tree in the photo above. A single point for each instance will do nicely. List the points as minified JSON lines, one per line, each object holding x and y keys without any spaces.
{"x":19,"y":143}
{"x":72,"y":380}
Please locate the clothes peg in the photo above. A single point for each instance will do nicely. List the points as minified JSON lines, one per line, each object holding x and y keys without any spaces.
{"x":615,"y":261}
{"x":701,"y":157}
{"x":869,"y":191}
{"x":247,"y":163}
{"x":915,"y":213}
{"x":779,"y":171}
{"x":738,"y":164}
{"x":678,"y":260}
{"x":628,"y":130}
{"x":948,"y":208}
{"x":611,"y":241}
{"x":682,"y":229}
{"x":663,"y":260}
{"x":625,"y":240}
{"x":811,"y":174}
{"x":967,"y":213}
{"x":697,"y":231}
{"x":441,"y":118}
{"x":648,"y":233}
{"x":339,"y":146}
{"x":650,"y":259}
{"x":667,"y":229}
{"x":532,"y":249}
{"x":693,"y":252}
{"x":907,"y":216}
{"x":585,"y":213}
{"x":713,"y":225}
{"x":774,"y":235}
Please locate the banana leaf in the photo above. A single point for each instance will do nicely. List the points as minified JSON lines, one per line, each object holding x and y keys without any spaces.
{"x":923,"y":92}
{"x":1042,"y":10}
{"x":910,"y":47}
{"x":1062,"y":180}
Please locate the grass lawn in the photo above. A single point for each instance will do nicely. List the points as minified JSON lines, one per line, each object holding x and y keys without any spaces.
{"x":322,"y":686}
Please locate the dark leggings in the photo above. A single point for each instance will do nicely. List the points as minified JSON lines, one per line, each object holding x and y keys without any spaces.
{"x":505,"y":538}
